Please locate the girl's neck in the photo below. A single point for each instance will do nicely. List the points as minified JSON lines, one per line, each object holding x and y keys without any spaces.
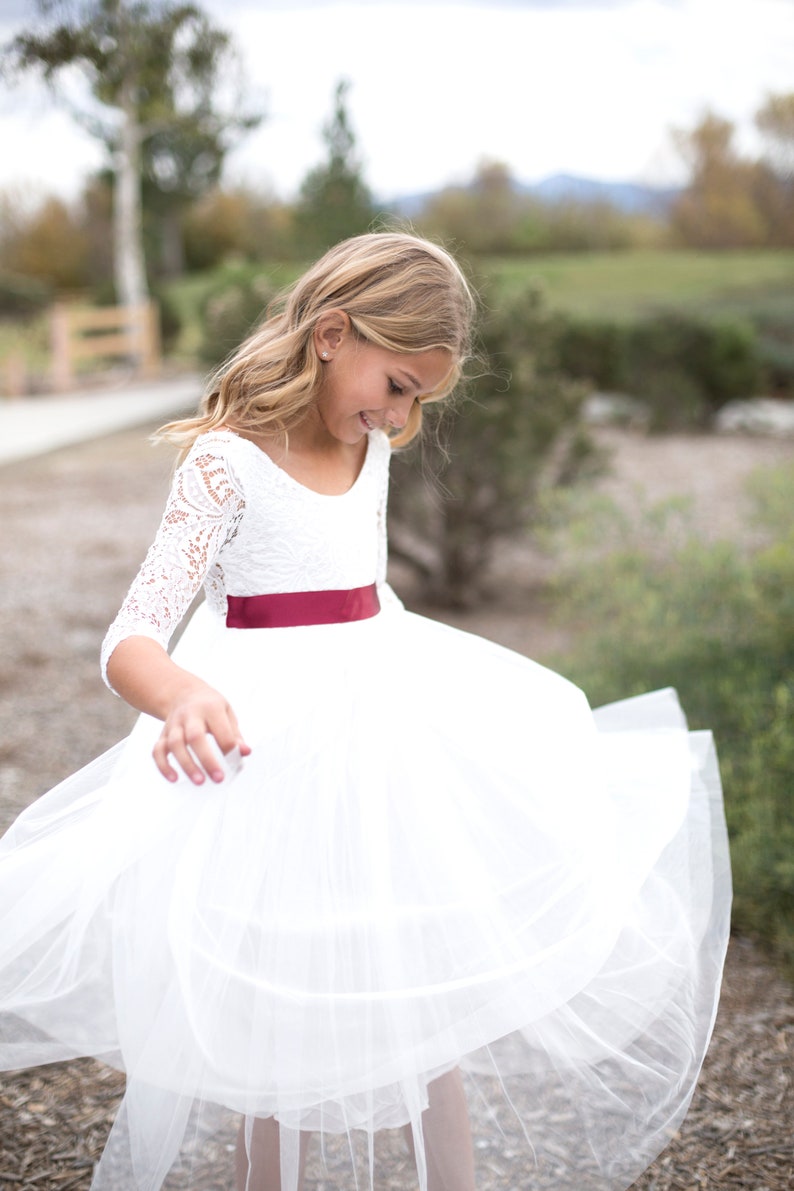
{"x":312,"y":456}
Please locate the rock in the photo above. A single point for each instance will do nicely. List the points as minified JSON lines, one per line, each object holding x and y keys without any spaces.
{"x":759,"y":415}
{"x":615,"y":409}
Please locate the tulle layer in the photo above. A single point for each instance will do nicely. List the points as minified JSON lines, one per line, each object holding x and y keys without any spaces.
{"x":436,"y":857}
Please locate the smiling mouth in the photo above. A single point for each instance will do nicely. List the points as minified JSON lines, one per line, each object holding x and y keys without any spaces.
{"x":369,"y":425}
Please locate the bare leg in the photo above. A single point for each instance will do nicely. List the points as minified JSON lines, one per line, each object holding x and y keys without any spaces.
{"x":264,"y":1171}
{"x":447,"y":1134}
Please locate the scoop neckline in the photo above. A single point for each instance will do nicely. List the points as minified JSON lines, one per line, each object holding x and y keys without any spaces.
{"x":297,"y":483}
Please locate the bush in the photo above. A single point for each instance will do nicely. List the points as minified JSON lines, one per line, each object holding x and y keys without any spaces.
{"x":518,"y":433}
{"x":775,"y":329}
{"x":717,"y":623}
{"x":687,"y":368}
{"x":229,"y":312}
{"x":22,"y":297}
{"x":594,"y":351}
{"x":777,"y":365}
{"x":684,"y":368}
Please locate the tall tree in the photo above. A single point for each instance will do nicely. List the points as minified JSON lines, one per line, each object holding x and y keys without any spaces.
{"x":775,"y":122}
{"x":184,"y":151}
{"x":483,"y":216}
{"x":153,"y":67}
{"x":718,"y":209}
{"x":334,"y":201}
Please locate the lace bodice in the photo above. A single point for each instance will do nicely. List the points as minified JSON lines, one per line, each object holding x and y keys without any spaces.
{"x":238,"y":524}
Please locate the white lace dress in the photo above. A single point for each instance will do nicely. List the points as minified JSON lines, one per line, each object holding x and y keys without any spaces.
{"x":435,"y":856}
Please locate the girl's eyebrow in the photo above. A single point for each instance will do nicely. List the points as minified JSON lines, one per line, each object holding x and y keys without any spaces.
{"x":412,"y":379}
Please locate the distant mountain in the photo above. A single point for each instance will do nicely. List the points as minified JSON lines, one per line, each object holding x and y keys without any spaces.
{"x":631,"y":197}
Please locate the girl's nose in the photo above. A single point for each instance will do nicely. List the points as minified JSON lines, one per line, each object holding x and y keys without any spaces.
{"x":397,"y":415}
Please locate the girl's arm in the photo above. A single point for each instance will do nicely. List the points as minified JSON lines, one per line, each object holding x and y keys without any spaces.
{"x":146,"y":678}
{"x":202,"y":514}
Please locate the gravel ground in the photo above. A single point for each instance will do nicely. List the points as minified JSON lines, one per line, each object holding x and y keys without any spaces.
{"x":75,"y":525}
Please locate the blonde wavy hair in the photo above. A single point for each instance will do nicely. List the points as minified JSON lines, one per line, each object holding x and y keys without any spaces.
{"x":400,"y":292}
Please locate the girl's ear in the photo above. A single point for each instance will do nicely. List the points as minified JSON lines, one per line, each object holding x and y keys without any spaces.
{"x":331,"y":328}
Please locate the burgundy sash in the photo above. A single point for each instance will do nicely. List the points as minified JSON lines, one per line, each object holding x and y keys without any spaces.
{"x":283,"y":610}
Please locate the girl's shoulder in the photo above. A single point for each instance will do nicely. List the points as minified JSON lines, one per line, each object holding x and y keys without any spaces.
{"x":220,"y":441}
{"x":221,"y":447}
{"x":217,"y":461}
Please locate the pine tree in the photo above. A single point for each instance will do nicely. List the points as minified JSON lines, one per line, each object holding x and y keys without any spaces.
{"x":334,"y":200}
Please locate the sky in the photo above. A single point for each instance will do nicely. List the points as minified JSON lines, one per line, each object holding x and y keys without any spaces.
{"x":587,"y":87}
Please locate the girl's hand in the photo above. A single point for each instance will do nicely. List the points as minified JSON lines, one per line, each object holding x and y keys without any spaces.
{"x":199,"y":723}
{"x":197,"y":719}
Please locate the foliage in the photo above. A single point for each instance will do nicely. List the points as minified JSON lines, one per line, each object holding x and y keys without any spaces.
{"x":230,"y":312}
{"x":775,"y":193}
{"x":50,"y":246}
{"x":747,"y":287}
{"x":489,"y":215}
{"x":733,"y":201}
{"x":188,"y":139}
{"x":717,"y":209}
{"x":492,"y":215}
{"x":682,"y":367}
{"x":686,"y":368}
{"x":518,"y":433}
{"x":228,"y":224}
{"x":153,"y":67}
{"x":658,"y":607}
{"x":775,"y":121}
{"x":594,"y":350}
{"x":334,"y":200}
{"x":22,"y":297}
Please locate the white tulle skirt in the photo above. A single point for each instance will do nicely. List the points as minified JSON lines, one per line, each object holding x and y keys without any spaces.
{"x":436,"y":856}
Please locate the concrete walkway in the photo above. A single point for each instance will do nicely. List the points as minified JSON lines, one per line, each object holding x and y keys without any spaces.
{"x":33,"y":425}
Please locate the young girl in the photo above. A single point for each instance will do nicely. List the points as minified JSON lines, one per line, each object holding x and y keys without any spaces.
{"x":387,"y":872}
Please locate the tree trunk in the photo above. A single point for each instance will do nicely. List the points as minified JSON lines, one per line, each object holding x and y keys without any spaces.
{"x":128,"y":265}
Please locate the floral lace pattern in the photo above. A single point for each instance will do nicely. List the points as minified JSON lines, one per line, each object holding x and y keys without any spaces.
{"x":238,"y":524}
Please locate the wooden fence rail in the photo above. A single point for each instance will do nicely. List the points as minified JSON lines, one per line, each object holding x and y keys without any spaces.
{"x":79,"y":333}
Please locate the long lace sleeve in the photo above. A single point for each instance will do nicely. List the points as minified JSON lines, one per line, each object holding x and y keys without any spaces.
{"x":202,"y":514}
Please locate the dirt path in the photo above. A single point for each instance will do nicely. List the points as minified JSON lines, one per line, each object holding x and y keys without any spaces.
{"x":74,"y":526}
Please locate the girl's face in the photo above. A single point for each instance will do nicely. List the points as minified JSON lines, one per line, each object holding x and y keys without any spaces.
{"x":366,"y":387}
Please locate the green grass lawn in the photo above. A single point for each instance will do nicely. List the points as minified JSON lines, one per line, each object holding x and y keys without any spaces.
{"x":621,"y":285}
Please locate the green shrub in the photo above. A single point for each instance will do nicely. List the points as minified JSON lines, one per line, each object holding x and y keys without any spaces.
{"x":687,"y":368}
{"x":683,"y":367}
{"x":775,"y":330}
{"x":727,"y":364}
{"x":229,"y":312}
{"x":716,"y":622}
{"x":22,"y":297}
{"x":594,"y":351}
{"x":518,"y":433}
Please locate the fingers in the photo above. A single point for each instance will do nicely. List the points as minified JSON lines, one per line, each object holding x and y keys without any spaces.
{"x":237,"y":737}
{"x":191,"y":751}
{"x":195,"y":737}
